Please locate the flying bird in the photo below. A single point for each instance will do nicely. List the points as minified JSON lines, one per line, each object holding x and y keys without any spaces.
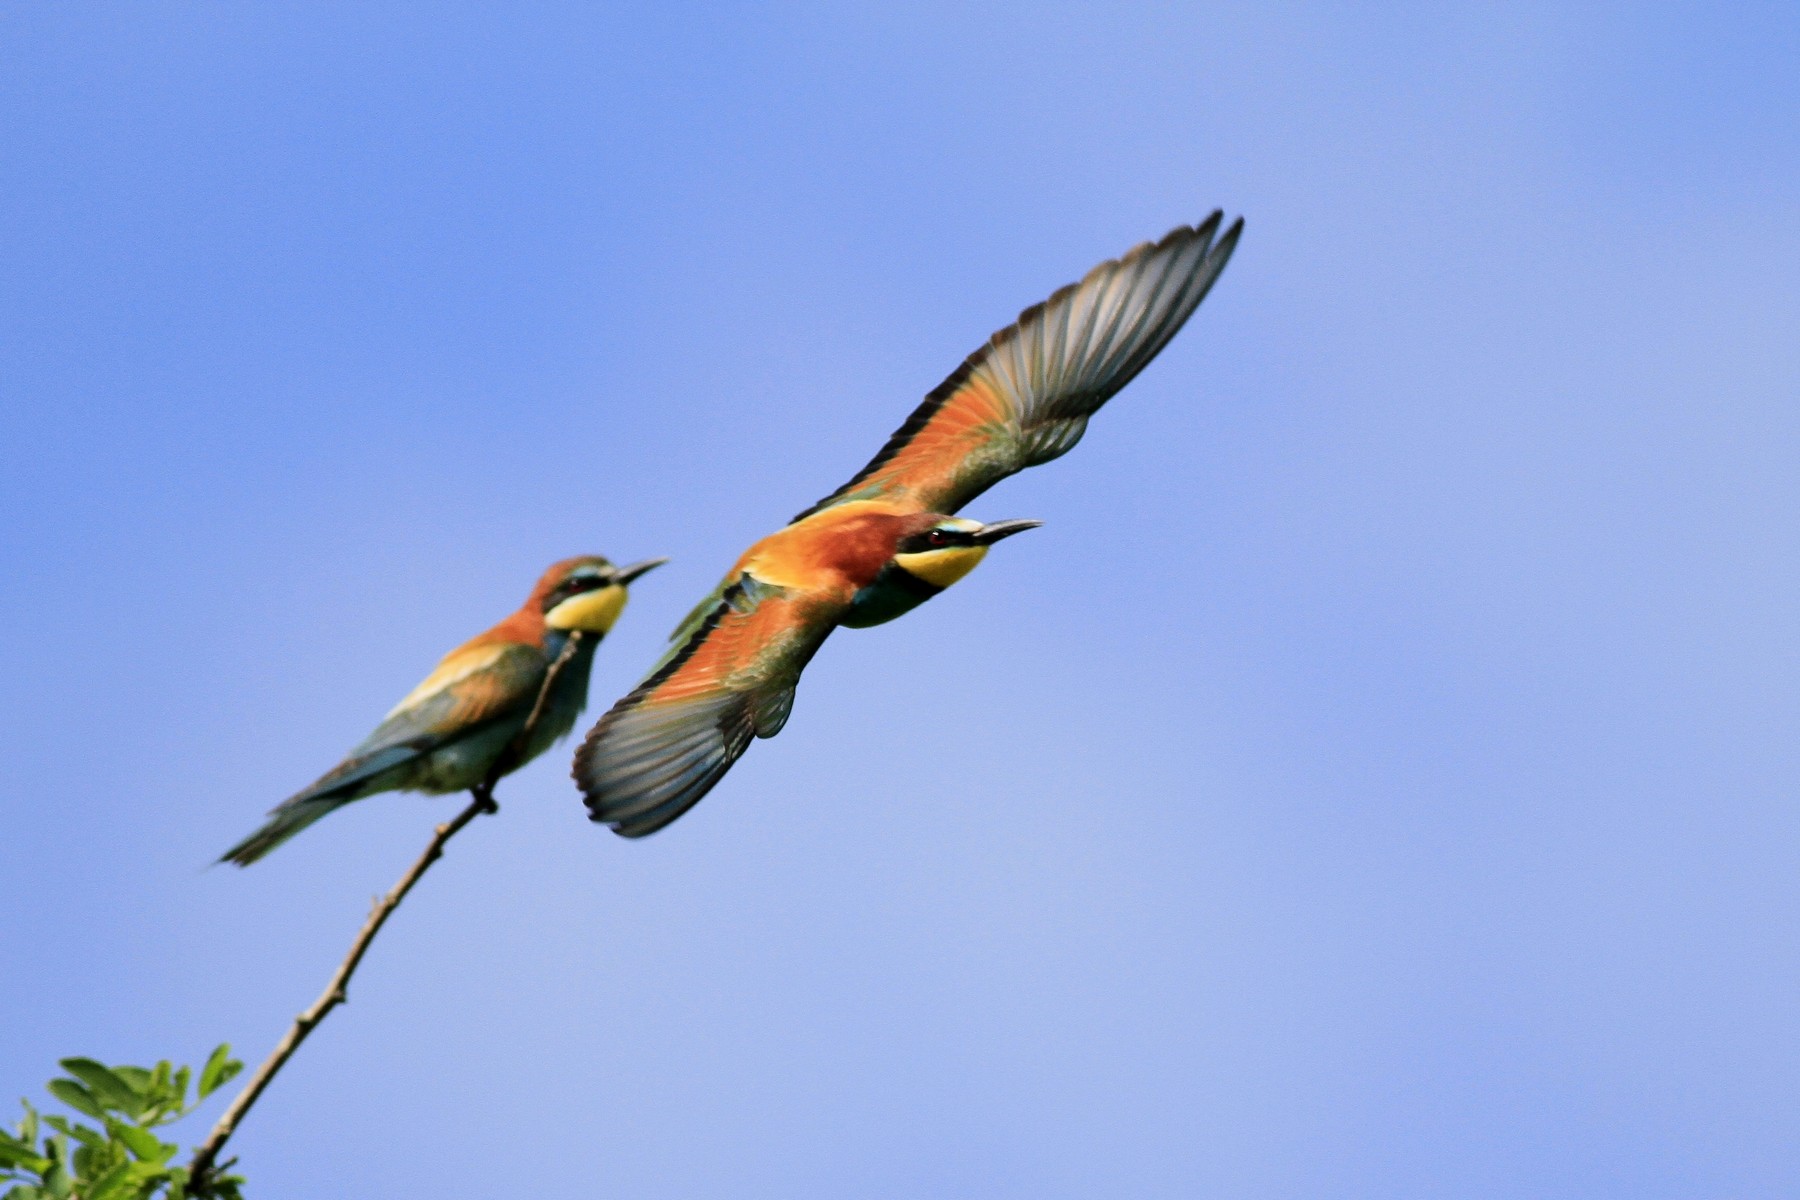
{"x":448,"y":734}
{"x":887,"y":541}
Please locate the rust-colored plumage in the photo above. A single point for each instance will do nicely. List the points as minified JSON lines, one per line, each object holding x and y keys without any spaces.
{"x":885,"y":541}
{"x":462,"y":720}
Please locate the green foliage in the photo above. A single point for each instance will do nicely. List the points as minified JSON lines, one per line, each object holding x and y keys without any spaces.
{"x":51,"y":1157}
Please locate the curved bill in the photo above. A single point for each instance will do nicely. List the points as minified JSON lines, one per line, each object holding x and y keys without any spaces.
{"x":627,"y":574}
{"x":987,"y":535}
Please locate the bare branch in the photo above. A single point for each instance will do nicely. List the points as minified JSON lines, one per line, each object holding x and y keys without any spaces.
{"x":336,"y":992}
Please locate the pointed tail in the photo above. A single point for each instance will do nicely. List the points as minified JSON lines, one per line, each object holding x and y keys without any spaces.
{"x":359,"y":775}
{"x":283,"y":823}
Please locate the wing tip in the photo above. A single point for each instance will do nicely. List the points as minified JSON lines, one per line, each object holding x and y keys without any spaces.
{"x":638,"y":770}
{"x":1226,"y":242}
{"x":579,"y":763}
{"x":599,"y":810}
{"x":1215,"y":250}
{"x":1200,"y":231}
{"x":1207,"y":231}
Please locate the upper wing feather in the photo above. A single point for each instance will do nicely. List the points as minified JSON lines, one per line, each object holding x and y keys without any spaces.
{"x":1024,"y":398}
{"x":473,"y":685}
{"x":663,"y":747}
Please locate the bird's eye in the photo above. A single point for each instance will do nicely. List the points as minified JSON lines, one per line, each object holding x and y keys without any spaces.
{"x":937,"y":537}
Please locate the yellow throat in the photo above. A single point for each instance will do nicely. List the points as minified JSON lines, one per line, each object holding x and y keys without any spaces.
{"x":590,"y":612}
{"x":941,"y":568}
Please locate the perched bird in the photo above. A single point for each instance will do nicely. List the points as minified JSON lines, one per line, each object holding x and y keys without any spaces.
{"x":451,"y":730}
{"x":885,"y":542}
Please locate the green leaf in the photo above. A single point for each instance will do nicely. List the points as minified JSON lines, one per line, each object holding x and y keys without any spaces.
{"x":110,"y":1186}
{"x":81,"y":1133}
{"x":57,"y":1182}
{"x":152,"y":1088}
{"x":143,"y":1173}
{"x":220,"y":1068}
{"x":178,"y":1088}
{"x":162,"y":1090}
{"x":23,"y":1192}
{"x":140,"y":1142}
{"x":15,"y":1154}
{"x":138,"y":1079}
{"x":106,"y":1086}
{"x":76,"y":1097}
{"x":28,"y":1125}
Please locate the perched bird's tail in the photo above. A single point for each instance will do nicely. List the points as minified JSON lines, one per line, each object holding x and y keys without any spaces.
{"x":283,"y":823}
{"x":362,"y":774}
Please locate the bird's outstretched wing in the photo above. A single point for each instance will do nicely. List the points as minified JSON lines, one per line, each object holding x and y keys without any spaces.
{"x":1024,"y":398}
{"x":663,"y":747}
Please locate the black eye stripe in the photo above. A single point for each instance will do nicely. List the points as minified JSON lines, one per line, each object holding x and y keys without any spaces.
{"x":573,"y":587}
{"x":937,"y":539}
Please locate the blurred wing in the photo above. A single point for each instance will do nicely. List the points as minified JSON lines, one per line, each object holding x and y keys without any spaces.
{"x":473,"y":685}
{"x":1024,"y":398}
{"x":663,"y":747}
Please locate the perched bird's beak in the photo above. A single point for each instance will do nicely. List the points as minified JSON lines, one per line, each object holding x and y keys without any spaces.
{"x":622,"y":575}
{"x":987,"y":535}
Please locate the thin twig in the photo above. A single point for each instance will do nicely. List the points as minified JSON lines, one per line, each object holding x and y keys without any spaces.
{"x":336,"y":992}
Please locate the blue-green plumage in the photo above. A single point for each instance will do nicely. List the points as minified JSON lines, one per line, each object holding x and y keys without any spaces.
{"x":462,"y":725}
{"x":895,"y":592}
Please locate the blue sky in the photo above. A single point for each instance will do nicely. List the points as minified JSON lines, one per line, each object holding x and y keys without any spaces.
{"x":1376,"y":779}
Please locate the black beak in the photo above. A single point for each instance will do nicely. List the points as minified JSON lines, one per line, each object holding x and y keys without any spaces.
{"x":987,"y":535}
{"x":623,"y":575}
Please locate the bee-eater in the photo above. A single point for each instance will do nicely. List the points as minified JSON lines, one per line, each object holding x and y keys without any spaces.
{"x":885,"y":542}
{"x":449,"y":733}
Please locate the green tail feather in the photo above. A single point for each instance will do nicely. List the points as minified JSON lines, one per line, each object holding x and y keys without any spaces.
{"x":283,"y":824}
